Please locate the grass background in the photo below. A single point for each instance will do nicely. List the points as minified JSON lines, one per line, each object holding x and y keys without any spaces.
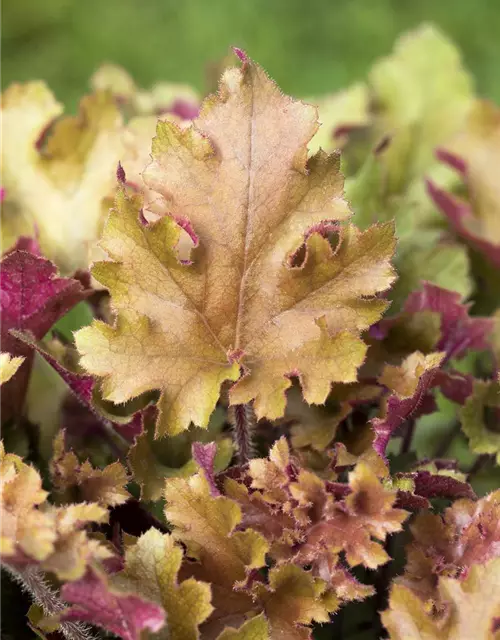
{"x":308,"y":46}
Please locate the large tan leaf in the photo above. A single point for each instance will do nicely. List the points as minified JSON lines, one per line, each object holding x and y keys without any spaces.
{"x":240,"y":181}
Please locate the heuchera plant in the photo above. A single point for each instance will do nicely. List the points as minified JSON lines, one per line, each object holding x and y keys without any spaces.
{"x":244,"y":397}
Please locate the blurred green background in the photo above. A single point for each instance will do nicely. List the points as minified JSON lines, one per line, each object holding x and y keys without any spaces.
{"x":308,"y":46}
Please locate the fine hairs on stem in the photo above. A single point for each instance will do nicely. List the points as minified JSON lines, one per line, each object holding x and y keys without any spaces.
{"x":242,"y":419}
{"x":32,"y":580}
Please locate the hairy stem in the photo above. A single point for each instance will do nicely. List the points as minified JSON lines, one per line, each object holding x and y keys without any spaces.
{"x":32,"y":580}
{"x":242,"y":419}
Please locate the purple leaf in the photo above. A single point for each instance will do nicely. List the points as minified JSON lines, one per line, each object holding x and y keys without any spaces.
{"x":32,"y":299}
{"x":95,"y":602}
{"x":429,"y":485}
{"x":185,"y":109}
{"x":120,"y":174}
{"x":459,"y":332}
{"x":82,"y":387}
{"x":400,"y":409}
{"x":454,"y":385}
{"x":459,"y":214}
{"x":410,"y":501}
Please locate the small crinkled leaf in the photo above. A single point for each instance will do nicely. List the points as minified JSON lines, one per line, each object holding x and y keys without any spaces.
{"x":409,"y":384}
{"x":74,"y":550}
{"x":443,"y":484}
{"x":9,"y":366}
{"x":255,"y":629}
{"x":21,"y":521}
{"x":435,"y":319}
{"x":466,"y":534}
{"x":472,"y":608}
{"x":240,"y":180}
{"x":33,"y":298}
{"x":95,"y":601}
{"x":370,"y":513}
{"x":82,"y":481}
{"x":415,"y":488}
{"x":57,"y":181}
{"x":206,"y":525}
{"x":294,"y":599}
{"x":151,"y":570}
{"x":307,"y":523}
{"x":34,"y":532}
{"x":480,"y":418}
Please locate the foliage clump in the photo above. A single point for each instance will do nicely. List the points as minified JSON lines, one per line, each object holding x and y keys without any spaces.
{"x":250,"y":364}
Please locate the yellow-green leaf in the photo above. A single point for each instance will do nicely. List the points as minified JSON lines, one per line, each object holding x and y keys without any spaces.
{"x":152,"y":566}
{"x":480,"y":418}
{"x":57,"y":186}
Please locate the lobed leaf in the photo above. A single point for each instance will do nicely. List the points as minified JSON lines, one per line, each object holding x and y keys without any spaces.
{"x":206,"y":525}
{"x":151,"y":570}
{"x":241,"y":181}
{"x":69,"y":477}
